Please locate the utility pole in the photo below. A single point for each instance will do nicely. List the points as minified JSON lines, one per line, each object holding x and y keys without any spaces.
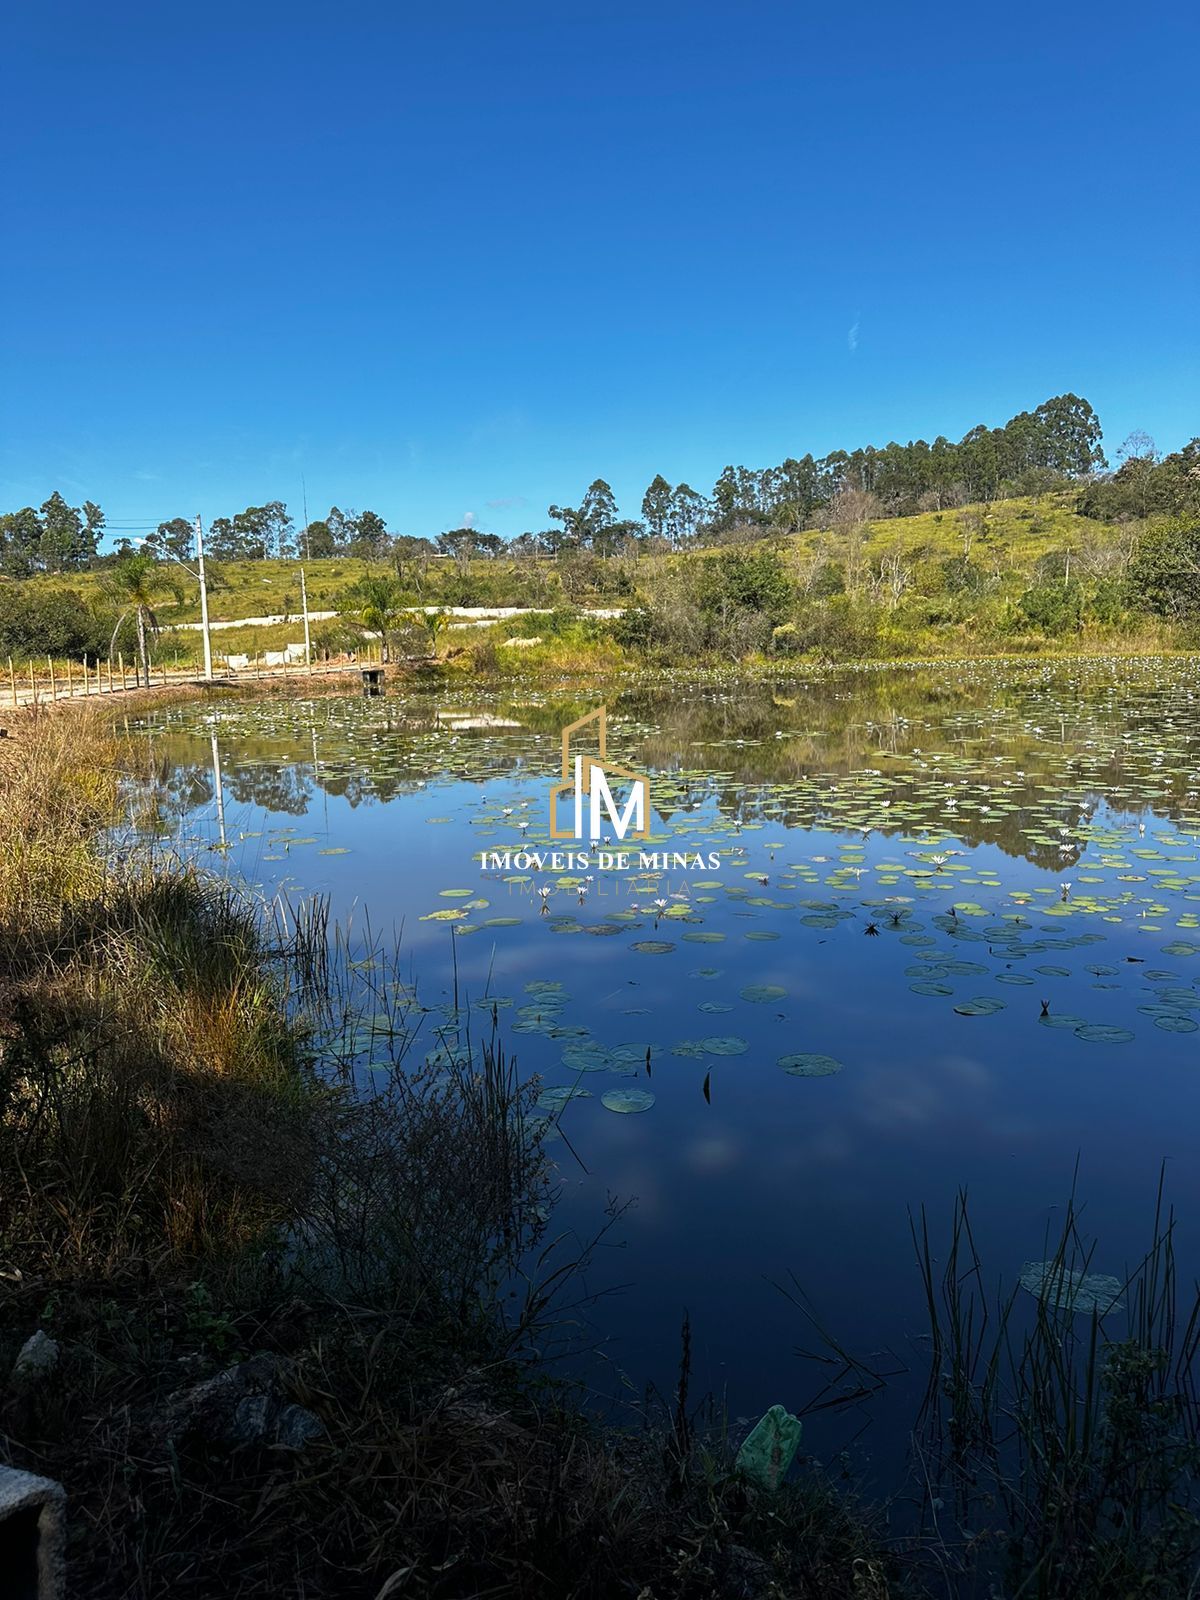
{"x":218,"y":788}
{"x":208,"y":672}
{"x":307,"y":635}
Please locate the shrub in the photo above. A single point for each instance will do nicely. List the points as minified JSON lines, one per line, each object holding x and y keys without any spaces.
{"x":1164,"y":575}
{"x":837,"y":629}
{"x":336,"y":637}
{"x":1055,"y":607}
{"x":961,"y":575}
{"x":751,"y":580}
{"x":59,"y":623}
{"x":830,"y":579}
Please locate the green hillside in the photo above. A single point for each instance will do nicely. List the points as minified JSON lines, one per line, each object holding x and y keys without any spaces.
{"x":1022,"y":574}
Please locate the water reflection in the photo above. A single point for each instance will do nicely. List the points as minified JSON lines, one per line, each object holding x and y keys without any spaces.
{"x":1020,"y":843}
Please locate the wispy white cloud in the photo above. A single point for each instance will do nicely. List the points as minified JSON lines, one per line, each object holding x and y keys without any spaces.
{"x":852,"y":336}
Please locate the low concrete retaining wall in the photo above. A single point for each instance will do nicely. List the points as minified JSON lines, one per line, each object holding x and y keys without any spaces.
{"x":32,"y":1537}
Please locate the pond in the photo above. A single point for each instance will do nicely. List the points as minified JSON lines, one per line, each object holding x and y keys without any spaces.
{"x":951,"y":940}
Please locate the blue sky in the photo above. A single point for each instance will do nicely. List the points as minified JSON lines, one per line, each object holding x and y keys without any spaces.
{"x":461,"y":259}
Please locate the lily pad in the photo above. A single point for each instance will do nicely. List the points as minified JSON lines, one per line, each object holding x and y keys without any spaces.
{"x":809,"y":1064}
{"x":627,"y":1100}
{"x":1064,"y":1289}
{"x":982,"y":1006}
{"x":724,"y":1045}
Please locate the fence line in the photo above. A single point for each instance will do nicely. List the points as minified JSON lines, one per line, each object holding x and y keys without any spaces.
{"x":62,"y":678}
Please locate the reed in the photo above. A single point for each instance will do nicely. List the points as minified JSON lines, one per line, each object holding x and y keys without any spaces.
{"x":1065,"y":1437}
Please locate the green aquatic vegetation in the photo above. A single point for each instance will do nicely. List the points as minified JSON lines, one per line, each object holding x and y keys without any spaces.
{"x":554,"y":1099}
{"x":627,"y":1101}
{"x":1068,"y":1289}
{"x":582,"y":1056}
{"x":760,"y":993}
{"x":808,"y":1064}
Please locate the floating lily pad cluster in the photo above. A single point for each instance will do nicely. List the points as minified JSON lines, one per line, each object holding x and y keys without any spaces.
{"x":1010,"y":826}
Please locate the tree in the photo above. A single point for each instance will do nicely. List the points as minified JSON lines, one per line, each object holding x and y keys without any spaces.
{"x":377,"y":599}
{"x":1054,"y":606}
{"x":1070,"y":435}
{"x":656,"y":507}
{"x":1142,"y":487}
{"x":597,"y":512}
{"x":317,"y":541}
{"x":175,"y":539}
{"x":799,"y":491}
{"x":20,"y":542}
{"x":48,"y":623}
{"x":1138,"y":456}
{"x":461,"y":544}
{"x":687,"y":511}
{"x":134,"y":583}
{"x":1164,"y":574}
{"x":433,"y":622}
{"x":255,"y":534}
{"x":411,"y":557}
{"x":369,"y":536}
{"x":528,"y":545}
{"x":93,"y":527}
{"x":619,"y":535}
{"x":63,"y":542}
{"x":342,"y":525}
{"x":567,"y":537}
{"x":752,"y":580}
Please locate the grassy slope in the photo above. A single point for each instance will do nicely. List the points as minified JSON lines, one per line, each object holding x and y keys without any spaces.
{"x":244,"y":589}
{"x":1016,"y":532}
{"x":914,"y":613}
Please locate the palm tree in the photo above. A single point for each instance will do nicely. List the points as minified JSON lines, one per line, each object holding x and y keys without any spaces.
{"x":133,"y":583}
{"x":433,"y":622}
{"x":378,"y":601}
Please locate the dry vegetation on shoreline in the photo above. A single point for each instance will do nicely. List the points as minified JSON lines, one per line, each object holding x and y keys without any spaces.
{"x":285,"y":1363}
{"x":281,"y":1364}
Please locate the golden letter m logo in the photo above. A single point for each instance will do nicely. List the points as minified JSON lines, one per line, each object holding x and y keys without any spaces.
{"x":586,"y":788}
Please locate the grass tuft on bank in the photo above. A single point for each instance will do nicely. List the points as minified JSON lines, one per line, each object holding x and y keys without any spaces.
{"x":296,"y":1328}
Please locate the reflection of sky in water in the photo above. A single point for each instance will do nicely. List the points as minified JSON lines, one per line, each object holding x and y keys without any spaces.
{"x":778,"y":1174}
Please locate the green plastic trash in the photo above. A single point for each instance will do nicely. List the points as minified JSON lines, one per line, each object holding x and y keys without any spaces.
{"x":770,"y":1448}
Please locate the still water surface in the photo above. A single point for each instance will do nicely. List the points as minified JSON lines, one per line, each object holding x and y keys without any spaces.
{"x":845,"y":1018}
